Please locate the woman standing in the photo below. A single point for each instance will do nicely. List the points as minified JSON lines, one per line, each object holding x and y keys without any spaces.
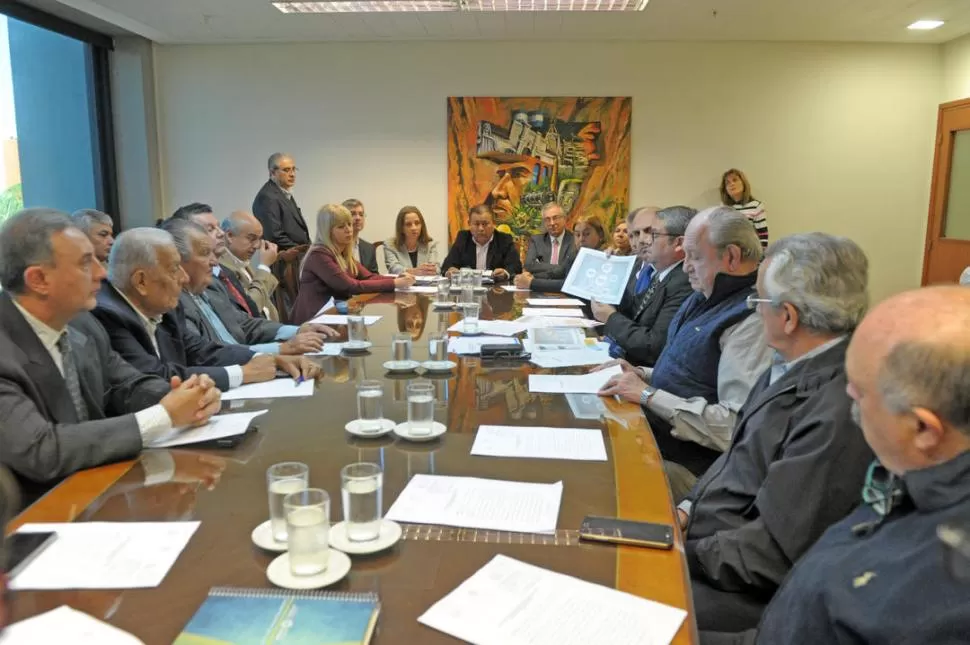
{"x":329,"y":269}
{"x":736,"y":192}
{"x":621,"y":240}
{"x":411,"y":250}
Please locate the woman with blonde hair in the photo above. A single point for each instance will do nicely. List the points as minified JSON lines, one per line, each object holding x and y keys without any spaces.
{"x":411,"y":250}
{"x":329,"y":269}
{"x":736,"y":193}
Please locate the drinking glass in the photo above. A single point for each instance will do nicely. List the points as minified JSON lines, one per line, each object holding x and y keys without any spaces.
{"x":438,"y":347}
{"x":370,"y":405}
{"x":420,"y":407}
{"x":356,"y":330}
{"x":477,"y":280}
{"x":467,"y":277}
{"x":361,"y":486}
{"x":444,"y":292}
{"x":401,"y":344}
{"x":281,"y":480}
{"x":470,"y":323}
{"x":308,"y":527}
{"x":455,"y":280}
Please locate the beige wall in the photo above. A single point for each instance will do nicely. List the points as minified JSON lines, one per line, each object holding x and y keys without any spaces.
{"x":956,"y":69}
{"x":836,"y":138}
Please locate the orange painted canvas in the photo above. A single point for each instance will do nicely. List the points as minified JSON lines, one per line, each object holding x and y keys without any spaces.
{"x":516,"y":154}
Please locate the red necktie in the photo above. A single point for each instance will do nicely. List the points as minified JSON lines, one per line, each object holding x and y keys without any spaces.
{"x":234,"y":292}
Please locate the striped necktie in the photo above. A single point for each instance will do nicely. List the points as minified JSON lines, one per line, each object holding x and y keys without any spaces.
{"x":71,"y":377}
{"x":235,"y":293}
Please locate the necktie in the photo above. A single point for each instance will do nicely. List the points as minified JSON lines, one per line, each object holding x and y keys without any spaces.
{"x":234,"y":292}
{"x":643,"y":282}
{"x":555,"y":251}
{"x":71,"y":378}
{"x":214,"y":321}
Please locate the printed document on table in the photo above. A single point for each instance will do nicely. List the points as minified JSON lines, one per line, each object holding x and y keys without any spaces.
{"x":281,"y":388}
{"x":536,"y":322}
{"x":105,"y":555}
{"x":530,"y":442}
{"x":496,"y":327}
{"x":597,"y":275}
{"x":510,"y":287}
{"x":570,"y":357}
{"x":331,"y":304}
{"x":473,"y":344}
{"x":63,"y":625}
{"x":418,"y":289}
{"x":508,"y":601}
{"x":338,"y":319}
{"x":223,"y":425}
{"x":552,"y":311}
{"x":475,"y":503}
{"x":573,"y":384}
{"x":554,"y":302}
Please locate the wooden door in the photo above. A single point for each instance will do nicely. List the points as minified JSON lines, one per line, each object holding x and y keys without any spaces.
{"x":947,"y":250}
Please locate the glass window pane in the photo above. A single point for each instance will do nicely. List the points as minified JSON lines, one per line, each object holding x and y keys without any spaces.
{"x":957,"y":217}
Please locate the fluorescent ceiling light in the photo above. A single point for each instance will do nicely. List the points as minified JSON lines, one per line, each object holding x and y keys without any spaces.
{"x":926,"y":25}
{"x":384,"y":6}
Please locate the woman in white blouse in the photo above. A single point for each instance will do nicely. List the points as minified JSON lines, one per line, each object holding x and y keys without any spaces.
{"x":411,"y":250}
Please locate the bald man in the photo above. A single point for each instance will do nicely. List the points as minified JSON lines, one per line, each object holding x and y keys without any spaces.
{"x":879,"y":576}
{"x":246,"y":247}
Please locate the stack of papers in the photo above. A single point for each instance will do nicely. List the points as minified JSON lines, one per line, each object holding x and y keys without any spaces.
{"x":475,"y":503}
{"x":219,"y":427}
{"x":577,"y":384}
{"x":571,"y":357}
{"x":495,"y":327}
{"x":429,"y":279}
{"x":552,"y":311}
{"x":554,"y":302}
{"x":65,"y":625}
{"x":535,"y":322}
{"x":540,"y":443}
{"x":105,"y":555}
{"x":473,"y":344}
{"x":508,"y":601}
{"x":280,"y":388}
{"x":338,"y":319}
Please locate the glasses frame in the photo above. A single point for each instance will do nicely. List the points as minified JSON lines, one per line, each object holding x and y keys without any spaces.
{"x":752,"y":302}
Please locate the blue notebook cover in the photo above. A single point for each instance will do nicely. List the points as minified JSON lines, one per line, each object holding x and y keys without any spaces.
{"x":277,"y":617}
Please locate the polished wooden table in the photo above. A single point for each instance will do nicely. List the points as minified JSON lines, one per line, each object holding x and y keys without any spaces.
{"x":430,"y":561}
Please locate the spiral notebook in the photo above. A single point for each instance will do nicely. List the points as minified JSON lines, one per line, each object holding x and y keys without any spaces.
{"x":278,"y":617}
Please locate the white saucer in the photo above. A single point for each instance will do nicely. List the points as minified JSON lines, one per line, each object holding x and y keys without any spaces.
{"x":353,"y":428}
{"x":389,"y":535}
{"x":262,"y":537}
{"x":401,"y":366}
{"x":443,"y":305}
{"x":437,"y":429}
{"x":439,"y":366}
{"x":357,"y":345}
{"x":279,"y":573}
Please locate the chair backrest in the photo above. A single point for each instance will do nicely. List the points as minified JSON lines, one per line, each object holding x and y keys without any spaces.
{"x":287,"y":271}
{"x":381,"y":264}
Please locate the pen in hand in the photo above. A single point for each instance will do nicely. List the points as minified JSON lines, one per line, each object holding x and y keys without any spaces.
{"x":299,"y":380}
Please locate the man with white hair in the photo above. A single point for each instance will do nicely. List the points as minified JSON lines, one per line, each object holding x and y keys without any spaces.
{"x":99,"y":228}
{"x":880,"y":575}
{"x":796,"y":462}
{"x":715,"y":349}
{"x":245,"y":246}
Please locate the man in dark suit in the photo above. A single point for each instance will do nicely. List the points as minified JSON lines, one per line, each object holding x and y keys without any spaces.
{"x":637,"y":331}
{"x":550,"y":252}
{"x":482,"y":247}
{"x":67,"y":400}
{"x":139,"y":308}
{"x":275,"y":208}
{"x":364,"y":251}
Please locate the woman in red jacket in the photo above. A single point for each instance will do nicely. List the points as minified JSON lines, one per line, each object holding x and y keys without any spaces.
{"x":330,"y":271}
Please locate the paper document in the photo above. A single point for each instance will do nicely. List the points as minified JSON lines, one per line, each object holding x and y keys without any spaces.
{"x":552,"y":311}
{"x":555,"y":302}
{"x":587,"y":406}
{"x":331,"y":304}
{"x":496,"y":327}
{"x":555,"y":338}
{"x":429,"y":279}
{"x":510,"y":287}
{"x":280,"y":388}
{"x":579,"y":384}
{"x":223,"y":425}
{"x":578,"y":444}
{"x":62,"y":625}
{"x":475,"y":503}
{"x":597,"y":275}
{"x":570,"y":357}
{"x":508,"y":601}
{"x":473,"y":344}
{"x":418,"y":289}
{"x":338,"y":319}
{"x":329,"y":349}
{"x":105,"y":555}
{"x":535,"y":322}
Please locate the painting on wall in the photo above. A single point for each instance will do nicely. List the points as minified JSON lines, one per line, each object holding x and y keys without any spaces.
{"x":516,"y":154}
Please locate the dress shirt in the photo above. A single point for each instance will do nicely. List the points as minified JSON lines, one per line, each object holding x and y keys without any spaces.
{"x":744,"y":358}
{"x":356,"y":250}
{"x":153,"y":422}
{"x":245,"y":266}
{"x":151,"y":324}
{"x":779,"y":367}
{"x":481,"y":254}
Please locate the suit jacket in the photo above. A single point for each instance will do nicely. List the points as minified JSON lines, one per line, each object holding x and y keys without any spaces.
{"x":40,"y":434}
{"x":540,"y":252}
{"x":501,"y":254}
{"x":281,"y":218}
{"x":398,"y":260}
{"x":554,"y":279}
{"x":639,"y":325}
{"x":246,"y":329}
{"x":322,"y":279}
{"x":368,"y":255}
{"x":258,"y":284}
{"x":180,"y":352}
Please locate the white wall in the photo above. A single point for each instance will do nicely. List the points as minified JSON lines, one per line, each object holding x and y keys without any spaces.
{"x":836,"y":138}
{"x":956,"y":69}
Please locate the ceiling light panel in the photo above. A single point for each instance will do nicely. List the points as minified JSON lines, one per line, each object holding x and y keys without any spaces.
{"x":554,"y":5}
{"x":925,"y":25}
{"x":367,"y":6}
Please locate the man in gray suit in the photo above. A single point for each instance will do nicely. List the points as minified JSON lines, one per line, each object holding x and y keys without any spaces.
{"x":364,"y":251}
{"x":551,"y":253}
{"x":67,"y":401}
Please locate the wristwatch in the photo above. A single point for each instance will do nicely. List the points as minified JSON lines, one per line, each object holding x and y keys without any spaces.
{"x":647,"y":393}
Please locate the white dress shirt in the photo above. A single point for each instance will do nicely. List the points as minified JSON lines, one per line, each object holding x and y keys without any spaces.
{"x":481,"y":254}
{"x":153,"y":423}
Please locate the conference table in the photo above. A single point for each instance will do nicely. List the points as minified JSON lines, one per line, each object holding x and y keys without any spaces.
{"x":226,"y":489}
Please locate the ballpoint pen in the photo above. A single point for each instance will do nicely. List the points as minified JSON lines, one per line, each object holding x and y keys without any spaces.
{"x":299,"y":380}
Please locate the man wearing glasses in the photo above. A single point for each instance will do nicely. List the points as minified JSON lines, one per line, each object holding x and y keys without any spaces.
{"x":275,"y":208}
{"x":245,"y":246}
{"x":551,"y":253}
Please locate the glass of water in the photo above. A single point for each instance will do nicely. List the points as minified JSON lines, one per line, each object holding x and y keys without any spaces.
{"x":308,"y":526}
{"x":438,"y":347}
{"x":281,"y":480}
{"x":466,"y":277}
{"x":470,"y":310}
{"x":477,"y":280}
{"x":356,"y":330}
{"x":444,"y":292}
{"x":420,"y":407}
{"x":360,"y":493}
{"x":402,"y":347}
{"x":370,"y":405}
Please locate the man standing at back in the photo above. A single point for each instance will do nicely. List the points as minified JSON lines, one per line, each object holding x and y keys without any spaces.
{"x":364,"y":252}
{"x":275,"y":207}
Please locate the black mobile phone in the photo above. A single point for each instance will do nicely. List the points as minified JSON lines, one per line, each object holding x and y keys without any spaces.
{"x":24,"y":547}
{"x":611,"y":529}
